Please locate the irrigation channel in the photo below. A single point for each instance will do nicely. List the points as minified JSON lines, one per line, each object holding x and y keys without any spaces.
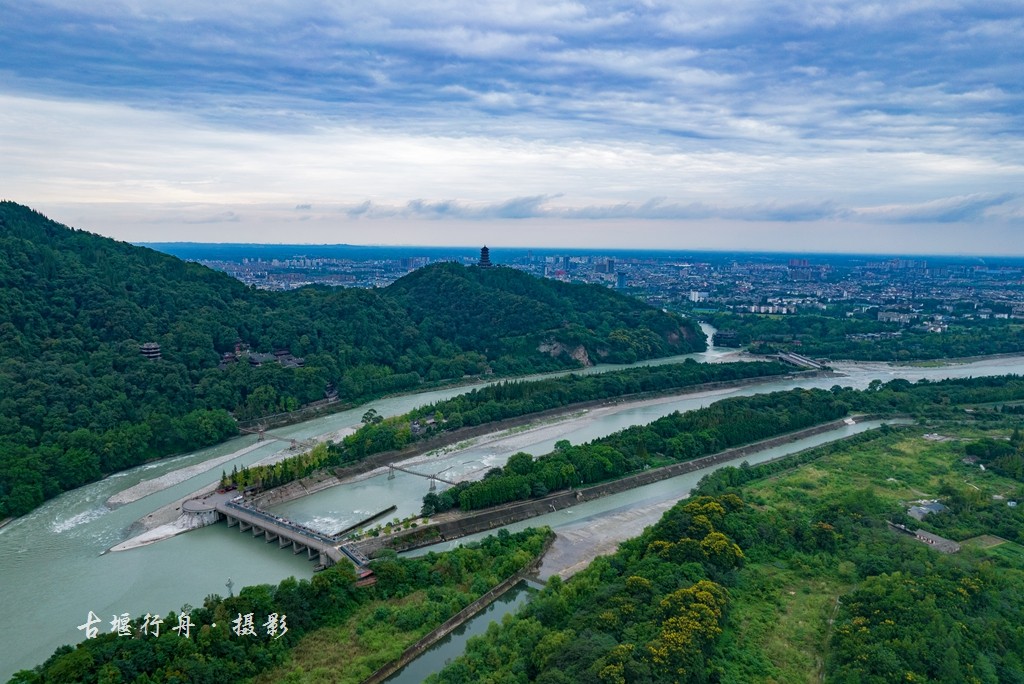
{"x":55,"y":569}
{"x":452,"y":646}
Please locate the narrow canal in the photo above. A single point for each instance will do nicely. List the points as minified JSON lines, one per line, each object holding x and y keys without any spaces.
{"x":452,"y":646}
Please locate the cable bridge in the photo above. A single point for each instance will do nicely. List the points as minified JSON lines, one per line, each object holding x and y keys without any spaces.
{"x":262,"y":434}
{"x":434,"y":479}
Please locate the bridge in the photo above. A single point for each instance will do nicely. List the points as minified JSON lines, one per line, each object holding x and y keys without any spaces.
{"x":288,"y":534}
{"x":262,"y":434}
{"x":434,"y":479}
{"x":799,"y":360}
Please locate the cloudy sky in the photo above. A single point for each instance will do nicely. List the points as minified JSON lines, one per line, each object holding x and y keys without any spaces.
{"x":803,"y":125}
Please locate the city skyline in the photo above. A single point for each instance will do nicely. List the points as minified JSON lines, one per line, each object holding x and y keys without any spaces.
{"x":838,"y":127}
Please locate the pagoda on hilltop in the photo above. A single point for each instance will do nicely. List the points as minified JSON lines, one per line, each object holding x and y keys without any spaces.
{"x":485,"y":258}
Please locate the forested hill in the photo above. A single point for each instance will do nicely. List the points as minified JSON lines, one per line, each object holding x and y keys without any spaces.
{"x":77,"y":400}
{"x":506,"y":313}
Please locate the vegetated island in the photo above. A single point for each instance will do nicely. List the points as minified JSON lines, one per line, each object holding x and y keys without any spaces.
{"x":112,"y":354}
{"x":486,"y":409}
{"x":676,"y":443}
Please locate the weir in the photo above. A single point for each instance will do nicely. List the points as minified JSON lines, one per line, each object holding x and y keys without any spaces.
{"x":288,"y":534}
{"x":282,"y":530}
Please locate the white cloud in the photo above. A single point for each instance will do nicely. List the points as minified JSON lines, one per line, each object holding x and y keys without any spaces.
{"x":775,"y":111}
{"x":943,"y":210}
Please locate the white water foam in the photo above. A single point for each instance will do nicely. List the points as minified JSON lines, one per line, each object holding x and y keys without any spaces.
{"x":74,"y":521}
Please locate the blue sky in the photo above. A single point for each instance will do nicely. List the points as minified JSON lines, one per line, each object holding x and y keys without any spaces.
{"x":790,"y":125}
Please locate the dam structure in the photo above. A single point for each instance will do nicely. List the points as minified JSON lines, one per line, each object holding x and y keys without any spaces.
{"x":298,"y":538}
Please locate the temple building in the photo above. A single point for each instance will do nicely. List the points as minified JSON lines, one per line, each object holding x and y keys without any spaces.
{"x":151,"y":350}
{"x":485,"y":258}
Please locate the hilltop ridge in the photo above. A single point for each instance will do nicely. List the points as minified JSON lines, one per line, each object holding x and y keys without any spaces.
{"x":78,"y":400}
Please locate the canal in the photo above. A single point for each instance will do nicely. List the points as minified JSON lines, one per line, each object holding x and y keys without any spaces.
{"x":452,"y":646}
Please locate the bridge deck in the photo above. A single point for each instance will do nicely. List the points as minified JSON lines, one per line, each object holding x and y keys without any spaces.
{"x":275,"y":526}
{"x":413,"y":472}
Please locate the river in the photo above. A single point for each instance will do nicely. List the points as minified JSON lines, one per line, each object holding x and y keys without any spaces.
{"x":54,"y":568}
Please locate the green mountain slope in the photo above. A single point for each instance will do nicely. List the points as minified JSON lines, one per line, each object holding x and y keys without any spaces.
{"x":506,"y":314}
{"x":77,"y":400}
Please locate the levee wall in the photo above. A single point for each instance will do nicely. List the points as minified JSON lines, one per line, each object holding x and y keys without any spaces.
{"x":456,"y":620}
{"x":507,"y":514}
{"x":327,"y":479}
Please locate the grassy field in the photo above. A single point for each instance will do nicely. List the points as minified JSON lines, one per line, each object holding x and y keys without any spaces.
{"x":1009,"y":551}
{"x":787,"y":609}
{"x":901,"y":468}
{"x":347,"y":654}
{"x":984,"y":541}
{"x":789,"y":616}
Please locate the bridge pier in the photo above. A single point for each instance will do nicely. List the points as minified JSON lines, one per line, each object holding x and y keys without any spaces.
{"x":295,"y":537}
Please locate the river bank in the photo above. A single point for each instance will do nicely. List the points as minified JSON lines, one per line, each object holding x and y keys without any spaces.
{"x":513,"y":433}
{"x":422,"y":451}
{"x":158,"y":484}
{"x":457,"y":620}
{"x":456,"y":524}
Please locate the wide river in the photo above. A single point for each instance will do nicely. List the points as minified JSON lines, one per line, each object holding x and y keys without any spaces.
{"x":54,"y":568}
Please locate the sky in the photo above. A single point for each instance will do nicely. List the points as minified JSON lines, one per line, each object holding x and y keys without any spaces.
{"x":782,"y":125}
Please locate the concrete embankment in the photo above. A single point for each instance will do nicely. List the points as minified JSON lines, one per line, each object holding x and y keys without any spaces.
{"x":326,"y":479}
{"x":456,"y":620}
{"x":364,"y":522}
{"x":472,"y":523}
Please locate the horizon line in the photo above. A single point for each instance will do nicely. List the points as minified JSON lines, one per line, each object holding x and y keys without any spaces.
{"x":937,"y":255}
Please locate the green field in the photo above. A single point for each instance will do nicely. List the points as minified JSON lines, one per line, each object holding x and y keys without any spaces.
{"x":782,"y":616}
{"x":902,"y":467}
{"x":1009,"y":551}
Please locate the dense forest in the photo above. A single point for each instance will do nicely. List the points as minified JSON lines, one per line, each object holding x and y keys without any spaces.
{"x":862,"y":339}
{"x":774,"y":573}
{"x":78,"y":400}
{"x":1004,"y":457}
{"x":411,"y":597}
{"x":650,"y":613}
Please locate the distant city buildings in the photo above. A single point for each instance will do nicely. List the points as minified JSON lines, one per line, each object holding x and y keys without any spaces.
{"x":903,"y":292}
